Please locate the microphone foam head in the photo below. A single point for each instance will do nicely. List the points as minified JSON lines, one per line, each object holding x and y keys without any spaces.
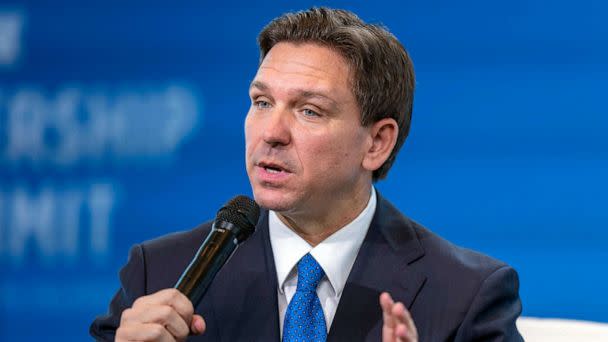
{"x":243,"y":213}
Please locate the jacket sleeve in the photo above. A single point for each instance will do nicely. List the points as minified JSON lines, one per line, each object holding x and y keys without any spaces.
{"x":133,"y":285}
{"x":494,"y":310}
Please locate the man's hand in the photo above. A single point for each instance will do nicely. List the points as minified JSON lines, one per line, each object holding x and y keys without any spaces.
{"x":398,"y":325}
{"x":166,"y":315}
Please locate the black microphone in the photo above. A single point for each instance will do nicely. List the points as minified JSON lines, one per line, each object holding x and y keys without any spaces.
{"x":233,"y":224}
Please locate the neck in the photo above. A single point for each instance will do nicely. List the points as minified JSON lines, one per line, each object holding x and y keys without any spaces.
{"x":318,"y":226}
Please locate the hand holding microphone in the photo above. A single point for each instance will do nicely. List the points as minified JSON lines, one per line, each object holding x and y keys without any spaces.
{"x":168,"y":315}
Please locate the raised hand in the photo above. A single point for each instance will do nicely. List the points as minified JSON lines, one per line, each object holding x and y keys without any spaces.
{"x":398,"y":325}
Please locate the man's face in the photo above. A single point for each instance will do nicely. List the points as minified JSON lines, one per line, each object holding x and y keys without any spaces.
{"x":304,"y":140}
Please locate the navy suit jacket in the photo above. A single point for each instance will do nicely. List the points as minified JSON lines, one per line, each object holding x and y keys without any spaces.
{"x":453,"y":294}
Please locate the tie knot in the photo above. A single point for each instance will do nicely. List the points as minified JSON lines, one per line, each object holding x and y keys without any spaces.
{"x":309,"y":273}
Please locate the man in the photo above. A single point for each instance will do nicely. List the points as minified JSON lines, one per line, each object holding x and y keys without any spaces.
{"x":331,"y":106}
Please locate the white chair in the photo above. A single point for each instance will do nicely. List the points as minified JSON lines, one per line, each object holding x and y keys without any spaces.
{"x":558,"y":330}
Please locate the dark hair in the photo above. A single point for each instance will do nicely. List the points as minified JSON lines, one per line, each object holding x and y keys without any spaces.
{"x":383,"y":74}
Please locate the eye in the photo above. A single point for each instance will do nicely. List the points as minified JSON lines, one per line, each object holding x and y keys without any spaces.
{"x":310,"y":112}
{"x":261,"y":104}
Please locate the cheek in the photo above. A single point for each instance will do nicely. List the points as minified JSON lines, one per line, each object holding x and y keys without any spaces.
{"x":326,"y":155}
{"x":247,"y":125}
{"x":250,"y":133}
{"x":345,"y":151}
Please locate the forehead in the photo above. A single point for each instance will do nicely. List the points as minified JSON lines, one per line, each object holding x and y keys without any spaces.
{"x":308,"y":65}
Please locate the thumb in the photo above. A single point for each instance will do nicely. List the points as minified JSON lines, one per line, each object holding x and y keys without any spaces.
{"x":198,"y":325}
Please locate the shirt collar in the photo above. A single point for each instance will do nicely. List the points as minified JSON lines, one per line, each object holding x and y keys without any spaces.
{"x":336,"y":254}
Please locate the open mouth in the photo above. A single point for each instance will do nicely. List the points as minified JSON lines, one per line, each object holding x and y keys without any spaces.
{"x":271,"y":169}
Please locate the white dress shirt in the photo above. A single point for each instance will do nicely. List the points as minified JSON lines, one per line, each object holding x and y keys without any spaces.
{"x":336,"y":255}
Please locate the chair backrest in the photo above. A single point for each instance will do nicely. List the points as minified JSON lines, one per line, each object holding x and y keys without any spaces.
{"x":561,"y":330}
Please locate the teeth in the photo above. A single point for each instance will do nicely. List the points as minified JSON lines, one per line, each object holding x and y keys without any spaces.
{"x":271,"y":170}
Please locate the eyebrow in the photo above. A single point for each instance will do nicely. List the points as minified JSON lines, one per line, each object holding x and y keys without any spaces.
{"x":300,"y":92}
{"x":259,"y":85}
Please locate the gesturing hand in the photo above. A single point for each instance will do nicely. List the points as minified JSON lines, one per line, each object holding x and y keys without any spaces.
{"x":398,"y":325}
{"x":166,"y":315}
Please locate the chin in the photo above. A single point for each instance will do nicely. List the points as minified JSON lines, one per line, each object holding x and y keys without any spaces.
{"x":272,"y":199}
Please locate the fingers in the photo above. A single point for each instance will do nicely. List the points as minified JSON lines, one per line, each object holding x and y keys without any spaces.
{"x":172,"y":297}
{"x":398,"y":324}
{"x":386,"y":302}
{"x":404,"y":325}
{"x":404,"y":319}
{"x":167,"y":315}
{"x":162,"y":315}
{"x":143,"y":332}
{"x":198,"y":325}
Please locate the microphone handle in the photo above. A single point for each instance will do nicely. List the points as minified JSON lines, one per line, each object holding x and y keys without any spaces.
{"x":211,"y":256}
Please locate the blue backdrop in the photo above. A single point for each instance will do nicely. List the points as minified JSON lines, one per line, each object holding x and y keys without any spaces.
{"x":122,"y":122}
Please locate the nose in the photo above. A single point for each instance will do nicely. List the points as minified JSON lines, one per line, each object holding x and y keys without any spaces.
{"x":277,"y":130}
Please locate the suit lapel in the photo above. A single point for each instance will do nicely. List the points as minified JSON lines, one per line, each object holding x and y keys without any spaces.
{"x":382,"y":264}
{"x":245,"y":300}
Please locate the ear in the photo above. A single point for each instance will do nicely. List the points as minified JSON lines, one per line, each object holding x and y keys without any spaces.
{"x":383,"y":134}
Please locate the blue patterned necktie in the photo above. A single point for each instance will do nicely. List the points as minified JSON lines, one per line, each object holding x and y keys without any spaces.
{"x":304,"y":319}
